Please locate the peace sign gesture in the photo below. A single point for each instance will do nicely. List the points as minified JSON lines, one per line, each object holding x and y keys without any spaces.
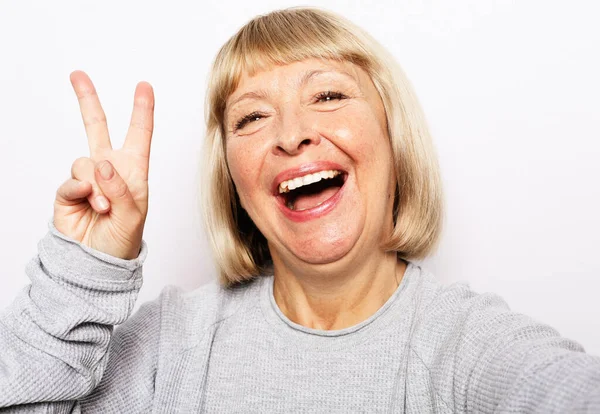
{"x":104,"y":203}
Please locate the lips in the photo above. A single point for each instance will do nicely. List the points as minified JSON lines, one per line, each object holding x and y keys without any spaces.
{"x":324,"y":206}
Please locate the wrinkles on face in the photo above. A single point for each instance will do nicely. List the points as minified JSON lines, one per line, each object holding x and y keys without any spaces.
{"x":301,"y":113}
{"x":315,"y":90}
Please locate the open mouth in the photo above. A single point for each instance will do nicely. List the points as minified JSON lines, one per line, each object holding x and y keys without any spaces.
{"x":311,"y":190}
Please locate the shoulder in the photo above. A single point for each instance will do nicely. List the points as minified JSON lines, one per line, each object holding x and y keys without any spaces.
{"x":446,"y":316}
{"x":456,"y":320}
{"x":436,"y":301}
{"x":476,"y":352}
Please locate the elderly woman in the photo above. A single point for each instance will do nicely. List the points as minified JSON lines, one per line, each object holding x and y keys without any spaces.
{"x":321,"y":187}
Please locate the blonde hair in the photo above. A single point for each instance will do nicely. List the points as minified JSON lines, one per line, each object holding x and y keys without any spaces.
{"x":292,"y":35}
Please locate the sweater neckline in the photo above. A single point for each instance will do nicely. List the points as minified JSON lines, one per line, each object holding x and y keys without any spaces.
{"x":325,"y":340}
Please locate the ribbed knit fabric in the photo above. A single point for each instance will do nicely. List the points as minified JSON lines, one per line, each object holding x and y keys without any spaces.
{"x":429,"y":348}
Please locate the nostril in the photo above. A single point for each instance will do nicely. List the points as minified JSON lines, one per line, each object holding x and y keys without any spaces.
{"x":305,"y":141}
{"x":294,"y":144}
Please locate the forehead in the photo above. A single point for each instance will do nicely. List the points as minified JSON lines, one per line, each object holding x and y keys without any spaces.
{"x":296,"y":74}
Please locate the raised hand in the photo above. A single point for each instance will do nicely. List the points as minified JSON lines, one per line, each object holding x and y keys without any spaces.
{"x":104,"y":203}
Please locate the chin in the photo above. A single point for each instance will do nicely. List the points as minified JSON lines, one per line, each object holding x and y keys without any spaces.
{"x":330,"y":246}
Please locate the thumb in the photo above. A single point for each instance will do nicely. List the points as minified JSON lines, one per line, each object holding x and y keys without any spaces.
{"x":115,"y":189}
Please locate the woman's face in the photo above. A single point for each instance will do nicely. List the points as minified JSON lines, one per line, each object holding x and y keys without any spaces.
{"x":309,"y":154}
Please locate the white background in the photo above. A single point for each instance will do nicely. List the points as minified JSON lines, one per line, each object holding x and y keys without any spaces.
{"x":510,"y":89}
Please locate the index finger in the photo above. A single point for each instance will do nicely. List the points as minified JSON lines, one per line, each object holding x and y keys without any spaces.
{"x":139,"y":135}
{"x":92,"y":113}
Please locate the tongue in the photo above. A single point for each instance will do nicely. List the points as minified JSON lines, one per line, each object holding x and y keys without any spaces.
{"x":306,"y":201}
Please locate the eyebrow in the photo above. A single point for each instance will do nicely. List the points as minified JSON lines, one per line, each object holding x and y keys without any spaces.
{"x":262,"y":94}
{"x":316,"y":72}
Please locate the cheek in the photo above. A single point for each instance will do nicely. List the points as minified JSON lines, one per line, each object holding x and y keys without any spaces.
{"x":245,"y":160}
{"x":237,"y":160}
{"x":359,"y":134}
{"x":363,"y":137}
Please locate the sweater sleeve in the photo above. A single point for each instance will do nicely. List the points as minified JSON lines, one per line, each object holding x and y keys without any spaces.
{"x":128,"y":381}
{"x":55,"y":336}
{"x":508,"y":362}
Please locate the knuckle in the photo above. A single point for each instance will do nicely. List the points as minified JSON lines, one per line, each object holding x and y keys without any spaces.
{"x":90,"y":120}
{"x":60,"y":192}
{"x":64,"y":185}
{"x":86,"y":93}
{"x":79,"y":166}
{"x":66,"y":189}
{"x":142,"y":125}
{"x":120,"y":189}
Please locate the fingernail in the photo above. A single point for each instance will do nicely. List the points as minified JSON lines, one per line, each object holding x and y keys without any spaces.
{"x":106,"y":170}
{"x":102,"y":202}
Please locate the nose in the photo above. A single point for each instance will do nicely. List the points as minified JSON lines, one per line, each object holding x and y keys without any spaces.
{"x":296,"y":134}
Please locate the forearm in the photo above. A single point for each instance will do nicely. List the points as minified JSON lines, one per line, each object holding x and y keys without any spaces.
{"x":517,"y":364}
{"x":55,"y":335}
{"x":546,"y":375}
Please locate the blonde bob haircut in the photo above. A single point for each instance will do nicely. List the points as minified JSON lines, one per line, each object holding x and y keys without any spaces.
{"x":292,"y":35}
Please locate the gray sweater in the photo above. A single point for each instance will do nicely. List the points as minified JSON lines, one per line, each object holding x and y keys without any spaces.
{"x":430,"y":348}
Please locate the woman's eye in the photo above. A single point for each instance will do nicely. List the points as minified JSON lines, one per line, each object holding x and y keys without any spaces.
{"x":330,"y":96}
{"x":254,"y":116}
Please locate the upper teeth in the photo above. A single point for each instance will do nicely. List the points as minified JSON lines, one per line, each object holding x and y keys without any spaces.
{"x":294,"y":183}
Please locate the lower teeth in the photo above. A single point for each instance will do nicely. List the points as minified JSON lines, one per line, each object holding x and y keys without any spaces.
{"x":291,"y":206}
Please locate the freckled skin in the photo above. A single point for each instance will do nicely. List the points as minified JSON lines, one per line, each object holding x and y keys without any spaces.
{"x":296,"y":129}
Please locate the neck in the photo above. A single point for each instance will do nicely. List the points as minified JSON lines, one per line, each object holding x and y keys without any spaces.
{"x":331,"y":300}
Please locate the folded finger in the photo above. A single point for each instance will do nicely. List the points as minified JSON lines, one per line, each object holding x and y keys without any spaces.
{"x":73,"y":191}
{"x":83,"y":170}
{"x":92,"y":113}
